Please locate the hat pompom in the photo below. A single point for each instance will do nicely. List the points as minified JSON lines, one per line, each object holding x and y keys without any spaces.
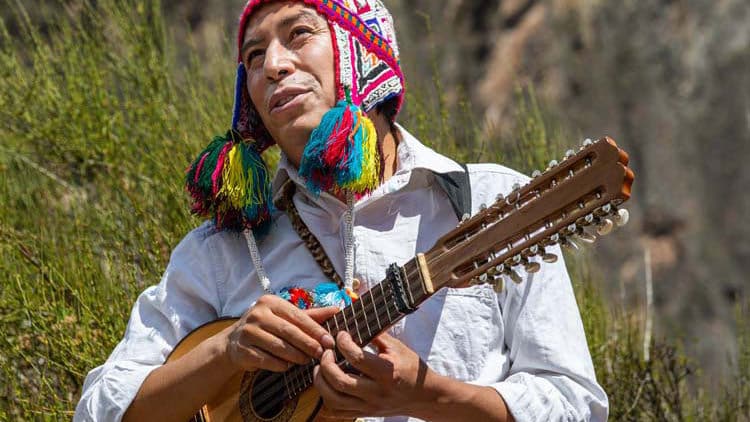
{"x":342,"y":152}
{"x":229,"y":182}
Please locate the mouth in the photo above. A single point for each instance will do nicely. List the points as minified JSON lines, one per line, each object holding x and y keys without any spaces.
{"x":285,"y":99}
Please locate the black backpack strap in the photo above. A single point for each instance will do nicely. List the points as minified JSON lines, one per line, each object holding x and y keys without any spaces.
{"x":457,"y":187}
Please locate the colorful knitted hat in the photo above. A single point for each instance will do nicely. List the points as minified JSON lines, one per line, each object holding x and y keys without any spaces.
{"x":342,"y":153}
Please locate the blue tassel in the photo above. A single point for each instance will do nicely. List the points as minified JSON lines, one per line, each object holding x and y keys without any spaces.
{"x":329,"y":294}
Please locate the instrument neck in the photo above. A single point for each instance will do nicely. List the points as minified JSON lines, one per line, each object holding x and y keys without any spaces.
{"x":383,"y":305}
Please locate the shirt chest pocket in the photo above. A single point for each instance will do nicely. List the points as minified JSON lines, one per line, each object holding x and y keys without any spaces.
{"x":455,"y":330}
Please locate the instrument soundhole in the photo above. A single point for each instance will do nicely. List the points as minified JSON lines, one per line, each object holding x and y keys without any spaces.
{"x":267,"y":394}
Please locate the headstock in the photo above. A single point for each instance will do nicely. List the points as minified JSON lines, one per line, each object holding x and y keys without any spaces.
{"x":572,"y":201}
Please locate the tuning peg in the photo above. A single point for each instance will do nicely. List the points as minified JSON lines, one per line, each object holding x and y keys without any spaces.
{"x":535,"y":174}
{"x":622,"y":217}
{"x":498,"y":285}
{"x":604,"y":210}
{"x":465,"y":217}
{"x":585,"y":237}
{"x":572,"y":228}
{"x":532,"y":267}
{"x":516,"y":186}
{"x":516,"y":260}
{"x":533,"y":250}
{"x":499,"y":197}
{"x":605,"y":227}
{"x":553,"y":163}
{"x":482,"y":207}
{"x":514,"y":276}
{"x":555,"y":238}
{"x":549,"y":258}
{"x":587,"y":142}
{"x":569,"y":153}
{"x":568,"y":243}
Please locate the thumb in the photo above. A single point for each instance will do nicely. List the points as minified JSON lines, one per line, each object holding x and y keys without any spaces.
{"x":322,"y":314}
{"x":385,"y":342}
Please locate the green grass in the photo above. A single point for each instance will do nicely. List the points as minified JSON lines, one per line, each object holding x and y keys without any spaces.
{"x":101,"y":112}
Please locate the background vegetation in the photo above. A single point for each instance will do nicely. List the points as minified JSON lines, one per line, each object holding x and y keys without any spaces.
{"x":101,"y":112}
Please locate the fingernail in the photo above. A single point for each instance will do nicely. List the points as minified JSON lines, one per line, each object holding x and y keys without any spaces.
{"x":328,"y":341}
{"x":319,"y":352}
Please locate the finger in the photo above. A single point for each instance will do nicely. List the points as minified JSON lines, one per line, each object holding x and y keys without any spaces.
{"x":292,"y":334}
{"x":347,"y":383}
{"x":277,"y":347}
{"x":385,"y":342}
{"x":320,"y":315}
{"x":335,"y":400}
{"x":305,"y":323}
{"x":368,"y":363}
{"x":253,"y":358}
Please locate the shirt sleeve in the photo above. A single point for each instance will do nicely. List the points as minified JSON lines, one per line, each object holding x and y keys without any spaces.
{"x":185,"y":298}
{"x":551,"y":375}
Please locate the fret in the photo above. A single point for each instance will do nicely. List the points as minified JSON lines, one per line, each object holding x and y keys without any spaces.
{"x":382,"y":294}
{"x":336,"y":321}
{"x":364,"y":314}
{"x":375,"y":309}
{"x":407,"y":286}
{"x":343,"y":324}
{"x":353,"y":316}
{"x":328,"y":326}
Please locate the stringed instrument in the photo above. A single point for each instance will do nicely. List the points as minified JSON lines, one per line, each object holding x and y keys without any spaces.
{"x":575,"y":198}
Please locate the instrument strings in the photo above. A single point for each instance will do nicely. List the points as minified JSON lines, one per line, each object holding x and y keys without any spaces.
{"x":383,"y":312}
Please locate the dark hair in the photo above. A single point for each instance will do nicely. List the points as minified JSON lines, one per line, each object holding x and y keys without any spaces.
{"x":388,"y":108}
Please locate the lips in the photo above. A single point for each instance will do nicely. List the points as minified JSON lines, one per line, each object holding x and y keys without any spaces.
{"x":284,"y":97}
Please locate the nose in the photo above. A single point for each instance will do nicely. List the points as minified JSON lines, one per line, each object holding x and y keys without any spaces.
{"x":278,"y":61}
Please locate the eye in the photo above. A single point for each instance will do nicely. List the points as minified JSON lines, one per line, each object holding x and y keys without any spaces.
{"x":250,"y":60}
{"x":300,"y":31}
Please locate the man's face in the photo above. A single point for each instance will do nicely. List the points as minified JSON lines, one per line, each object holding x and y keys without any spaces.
{"x":288,"y":55}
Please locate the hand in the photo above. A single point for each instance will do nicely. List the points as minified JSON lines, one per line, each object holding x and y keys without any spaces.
{"x":274,"y":334}
{"x":392,"y":382}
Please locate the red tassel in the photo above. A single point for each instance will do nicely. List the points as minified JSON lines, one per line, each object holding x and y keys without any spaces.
{"x":336,"y":145}
{"x":216,"y":176}
{"x":300,"y":297}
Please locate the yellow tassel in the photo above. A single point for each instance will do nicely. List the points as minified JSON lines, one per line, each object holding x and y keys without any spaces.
{"x":370,"y":177}
{"x":234,"y":182}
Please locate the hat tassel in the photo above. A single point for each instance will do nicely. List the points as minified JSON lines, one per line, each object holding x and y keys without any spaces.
{"x":342,"y":152}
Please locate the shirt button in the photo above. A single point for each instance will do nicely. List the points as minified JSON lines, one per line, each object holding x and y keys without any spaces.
{"x":356,"y":284}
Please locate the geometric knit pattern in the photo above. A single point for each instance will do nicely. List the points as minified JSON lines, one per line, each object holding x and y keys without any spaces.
{"x":365,"y":53}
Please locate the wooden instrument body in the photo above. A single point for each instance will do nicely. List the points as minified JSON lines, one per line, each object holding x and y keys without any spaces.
{"x":225,"y":404}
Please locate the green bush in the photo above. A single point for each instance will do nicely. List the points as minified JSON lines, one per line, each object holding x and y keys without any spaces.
{"x":101,"y":113}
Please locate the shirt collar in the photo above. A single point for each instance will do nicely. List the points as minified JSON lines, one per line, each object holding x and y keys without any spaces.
{"x":413,"y":158}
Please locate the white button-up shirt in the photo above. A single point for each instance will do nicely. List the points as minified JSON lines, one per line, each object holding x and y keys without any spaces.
{"x":526,"y":342}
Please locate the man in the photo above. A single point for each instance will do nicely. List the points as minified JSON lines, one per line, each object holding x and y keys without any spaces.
{"x":321,"y":79}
